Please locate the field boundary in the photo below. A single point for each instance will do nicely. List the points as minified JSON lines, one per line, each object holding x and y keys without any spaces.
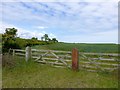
{"x":96,"y":62}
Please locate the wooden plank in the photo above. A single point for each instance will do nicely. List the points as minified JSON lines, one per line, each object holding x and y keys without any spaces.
{"x":68,"y":52}
{"x":37,"y":58}
{"x":50,"y":59}
{"x":19,"y":50}
{"x":51,"y":63}
{"x":34,"y":57}
{"x":64,"y":56}
{"x":104,"y":59}
{"x":52,"y":51}
{"x":92,"y":61}
{"x":44,"y":54}
{"x":110,"y":69}
{"x":63,"y":62}
{"x":115,"y":65}
{"x":109,"y":54}
{"x":87,"y":66}
{"x":35,"y":50}
{"x":100,"y":59}
{"x":100,"y":63}
{"x":92,"y":67}
{"x":21,"y":54}
{"x":55,"y":59}
{"x":59,"y":58}
{"x":54,"y":55}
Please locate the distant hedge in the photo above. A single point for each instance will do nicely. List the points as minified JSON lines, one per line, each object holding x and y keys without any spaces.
{"x":20,"y":43}
{"x":10,"y":40}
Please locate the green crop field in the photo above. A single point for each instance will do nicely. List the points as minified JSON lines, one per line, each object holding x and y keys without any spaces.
{"x":100,"y":48}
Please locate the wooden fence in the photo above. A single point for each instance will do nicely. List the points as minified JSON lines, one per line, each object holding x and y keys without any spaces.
{"x":53,"y":57}
{"x":83,"y":61}
{"x":99,"y":61}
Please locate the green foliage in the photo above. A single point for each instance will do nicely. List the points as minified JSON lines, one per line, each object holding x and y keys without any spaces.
{"x":42,"y":38}
{"x":47,"y":39}
{"x":9,"y":40}
{"x":34,"y":38}
{"x":9,"y":33}
{"x":30,"y":42}
{"x":54,"y":40}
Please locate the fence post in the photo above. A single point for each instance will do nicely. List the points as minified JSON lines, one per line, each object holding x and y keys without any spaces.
{"x":13,"y":52}
{"x":75,"y":59}
{"x":28,"y":53}
{"x":9,"y":51}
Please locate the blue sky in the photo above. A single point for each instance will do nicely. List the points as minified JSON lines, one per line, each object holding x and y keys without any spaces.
{"x":81,"y":21}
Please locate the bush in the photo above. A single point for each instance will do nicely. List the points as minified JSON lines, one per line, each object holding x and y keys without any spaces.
{"x":10,"y":44}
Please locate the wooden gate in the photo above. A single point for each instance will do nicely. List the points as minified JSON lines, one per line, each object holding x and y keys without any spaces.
{"x":55,"y":58}
{"x":98,"y":62}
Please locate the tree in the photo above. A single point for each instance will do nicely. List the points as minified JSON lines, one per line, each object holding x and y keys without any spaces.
{"x":54,"y":40}
{"x":8,"y":39}
{"x":42,"y":38}
{"x":46,"y":37}
{"x":34,"y":38}
{"x":12,"y":32}
{"x":9,"y":33}
{"x":49,"y":39}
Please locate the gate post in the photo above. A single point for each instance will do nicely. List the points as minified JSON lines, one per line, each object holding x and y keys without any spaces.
{"x":13,"y":52}
{"x":28,"y":53}
{"x":75,"y":59}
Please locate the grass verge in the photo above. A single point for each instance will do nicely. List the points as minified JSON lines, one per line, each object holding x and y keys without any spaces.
{"x":35,"y":75}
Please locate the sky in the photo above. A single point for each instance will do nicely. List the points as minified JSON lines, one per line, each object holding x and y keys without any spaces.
{"x":74,"y":21}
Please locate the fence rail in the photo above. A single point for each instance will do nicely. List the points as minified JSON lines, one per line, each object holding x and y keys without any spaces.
{"x":108,"y":54}
{"x":87,"y":61}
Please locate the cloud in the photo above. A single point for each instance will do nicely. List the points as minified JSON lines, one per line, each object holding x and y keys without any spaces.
{"x":41,"y":27}
{"x":52,"y":35}
{"x":68,"y":17}
{"x":23,"y":33}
